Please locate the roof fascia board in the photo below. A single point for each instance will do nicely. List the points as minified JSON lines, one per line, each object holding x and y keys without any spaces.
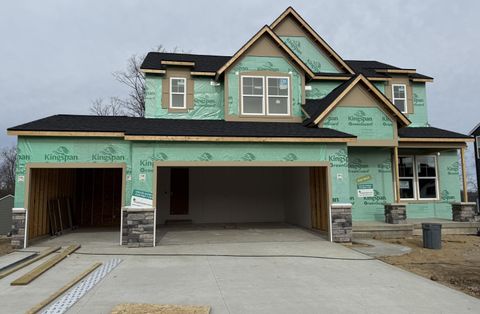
{"x":435,"y":139}
{"x":178,"y":63}
{"x":65,"y":133}
{"x":397,"y":71}
{"x":424,"y":80}
{"x":152,"y":71}
{"x":262,"y":31}
{"x":382,"y":97}
{"x":197,"y":73}
{"x":314,"y":34}
{"x":239,"y":139}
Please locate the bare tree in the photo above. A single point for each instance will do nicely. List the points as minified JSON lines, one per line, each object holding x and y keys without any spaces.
{"x":134,"y":104}
{"x":8,"y":157}
{"x":113,"y":108}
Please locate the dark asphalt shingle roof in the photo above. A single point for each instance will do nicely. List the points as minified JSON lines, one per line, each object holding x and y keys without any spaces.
{"x":211,"y":63}
{"x":428,"y":132}
{"x":174,"y":127}
{"x":203,"y":63}
{"x":315,"y":107}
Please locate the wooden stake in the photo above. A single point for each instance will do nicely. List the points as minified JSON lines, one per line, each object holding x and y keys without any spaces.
{"x":40,"y":269}
{"x":9,"y":271}
{"x":464,"y":175}
{"x":62,"y":290}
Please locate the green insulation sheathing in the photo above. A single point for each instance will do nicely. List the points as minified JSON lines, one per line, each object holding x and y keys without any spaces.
{"x":320,"y":89}
{"x":208,"y":101}
{"x":370,"y":169}
{"x":419,"y":117}
{"x":310,"y":54}
{"x":367,"y":123}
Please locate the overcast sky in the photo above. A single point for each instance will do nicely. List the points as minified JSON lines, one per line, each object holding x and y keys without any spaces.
{"x":58,"y":56}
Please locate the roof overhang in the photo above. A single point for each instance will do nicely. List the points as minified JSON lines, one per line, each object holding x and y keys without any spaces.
{"x":265,"y":31}
{"x":128,"y":137}
{"x":435,"y":139}
{"x":360,"y":78}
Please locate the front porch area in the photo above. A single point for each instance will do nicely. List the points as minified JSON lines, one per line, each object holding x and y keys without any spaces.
{"x":383,"y":230}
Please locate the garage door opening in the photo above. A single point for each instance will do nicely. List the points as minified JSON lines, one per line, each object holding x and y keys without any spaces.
{"x":65,"y":199}
{"x":234,"y":195}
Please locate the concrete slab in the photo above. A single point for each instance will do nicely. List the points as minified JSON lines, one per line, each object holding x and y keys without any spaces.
{"x":308,"y":276}
{"x":377,"y":248}
{"x":14,"y":258}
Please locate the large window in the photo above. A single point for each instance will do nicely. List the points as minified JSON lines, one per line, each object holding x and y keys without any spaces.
{"x":278,"y":95}
{"x":178,"y":87}
{"x":418,"y":177}
{"x":399,"y":96}
{"x":265,"y":95}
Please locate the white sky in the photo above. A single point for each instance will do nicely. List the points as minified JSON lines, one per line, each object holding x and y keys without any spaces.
{"x":58,"y":56}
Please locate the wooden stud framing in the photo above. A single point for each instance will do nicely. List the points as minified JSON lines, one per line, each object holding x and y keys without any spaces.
{"x":464,"y":175}
{"x":63,"y":289}
{"x":32,"y":260}
{"x":40,"y":269}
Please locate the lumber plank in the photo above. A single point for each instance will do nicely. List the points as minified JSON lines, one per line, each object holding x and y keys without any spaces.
{"x":41,"y":255}
{"x":40,"y":269}
{"x":62,"y":290}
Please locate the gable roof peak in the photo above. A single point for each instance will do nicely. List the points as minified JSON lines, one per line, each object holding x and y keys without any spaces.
{"x":290,"y":11}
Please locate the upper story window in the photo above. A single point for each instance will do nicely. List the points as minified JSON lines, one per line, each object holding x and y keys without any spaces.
{"x":178,"y":87}
{"x":253,"y":95}
{"x":399,"y":96}
{"x":418,"y":177}
{"x":278,"y":101}
{"x":477,"y":138}
{"x":268,"y":95}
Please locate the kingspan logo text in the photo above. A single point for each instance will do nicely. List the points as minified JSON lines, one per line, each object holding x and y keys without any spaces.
{"x":61,"y":154}
{"x":107,"y":158}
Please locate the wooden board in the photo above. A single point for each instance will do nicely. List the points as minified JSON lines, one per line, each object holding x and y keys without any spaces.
{"x":40,"y":269}
{"x":63,"y":289}
{"x":41,"y":255}
{"x":160,"y":309}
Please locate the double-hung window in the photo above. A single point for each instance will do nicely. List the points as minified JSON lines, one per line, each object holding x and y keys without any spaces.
{"x":253,"y":95}
{"x":278,"y":98}
{"x":418,"y":177}
{"x":178,"y":93}
{"x":268,"y":95}
{"x":399,"y":96}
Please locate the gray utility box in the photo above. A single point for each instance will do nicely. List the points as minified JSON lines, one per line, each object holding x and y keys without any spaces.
{"x":432,"y":236}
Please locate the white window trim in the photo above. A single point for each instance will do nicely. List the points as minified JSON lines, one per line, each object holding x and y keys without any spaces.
{"x":416,"y":187}
{"x":282,"y":96}
{"x":178,"y":93}
{"x":242,"y":94}
{"x":477,"y":138}
{"x":405,"y":109}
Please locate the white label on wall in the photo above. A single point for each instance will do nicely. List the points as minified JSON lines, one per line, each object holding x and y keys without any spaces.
{"x":365,"y":190}
{"x":142,"y":176}
{"x":308,"y":87}
{"x":21,"y":178}
{"x":129,"y":177}
{"x":339,"y":176}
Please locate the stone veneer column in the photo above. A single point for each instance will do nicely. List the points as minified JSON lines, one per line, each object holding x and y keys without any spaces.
{"x":341,"y":215}
{"x":464,"y":211}
{"x":19,"y":220}
{"x":138,"y":226}
{"x":396,"y":213}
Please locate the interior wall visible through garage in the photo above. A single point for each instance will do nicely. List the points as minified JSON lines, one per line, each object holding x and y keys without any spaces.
{"x":240,"y":194}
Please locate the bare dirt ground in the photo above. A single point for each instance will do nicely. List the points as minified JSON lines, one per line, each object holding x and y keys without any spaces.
{"x":456,"y":265}
{"x":5,"y":246}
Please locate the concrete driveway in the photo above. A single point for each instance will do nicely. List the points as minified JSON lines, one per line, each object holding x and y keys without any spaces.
{"x":294,"y":271}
